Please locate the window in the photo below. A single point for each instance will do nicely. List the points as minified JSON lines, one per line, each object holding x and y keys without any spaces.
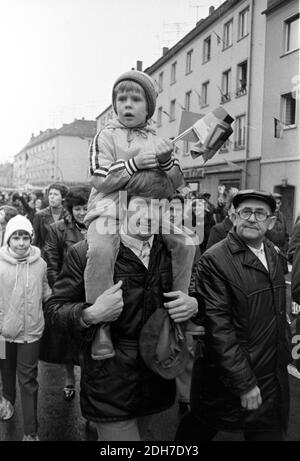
{"x":173,"y":72}
{"x":204,"y":93}
{"x":188,"y":66}
{"x":206,"y":49}
{"x":159,"y":116}
{"x":172,"y":110}
{"x":243,"y":23}
{"x":225,"y":147}
{"x":242,"y":79}
{"x":227,"y":36}
{"x":240,"y":132}
{"x":288,"y":109}
{"x":186,"y":148}
{"x":292,"y":34}
{"x":187,"y":103}
{"x":226,"y":85}
{"x":161,"y":82}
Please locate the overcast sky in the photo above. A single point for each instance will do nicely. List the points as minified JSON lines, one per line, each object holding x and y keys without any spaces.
{"x":59,"y":58}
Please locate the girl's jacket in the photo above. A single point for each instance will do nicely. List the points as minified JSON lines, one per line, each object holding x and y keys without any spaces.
{"x":24,"y":287}
{"x":112,"y":162}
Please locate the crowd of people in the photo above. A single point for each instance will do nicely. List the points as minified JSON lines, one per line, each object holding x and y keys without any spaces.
{"x":98,"y":279}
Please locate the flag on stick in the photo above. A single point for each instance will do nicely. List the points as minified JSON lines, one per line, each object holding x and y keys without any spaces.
{"x":234,"y":166}
{"x":199,"y":98}
{"x":209,"y":132}
{"x":219,"y":40}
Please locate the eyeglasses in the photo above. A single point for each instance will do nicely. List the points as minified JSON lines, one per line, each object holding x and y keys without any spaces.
{"x":260,"y":215}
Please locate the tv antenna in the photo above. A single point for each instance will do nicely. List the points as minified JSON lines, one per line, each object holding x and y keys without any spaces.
{"x":197,"y":8}
{"x":175,"y":28}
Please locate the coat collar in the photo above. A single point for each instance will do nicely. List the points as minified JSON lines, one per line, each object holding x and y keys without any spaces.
{"x":237,"y":245}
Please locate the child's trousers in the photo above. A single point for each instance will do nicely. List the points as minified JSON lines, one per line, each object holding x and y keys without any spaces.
{"x":103,"y":251}
{"x":22,"y":359}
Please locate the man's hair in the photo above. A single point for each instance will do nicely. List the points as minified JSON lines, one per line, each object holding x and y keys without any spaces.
{"x":128,"y":85}
{"x":153,"y":183}
{"x":10,"y":212}
{"x":58,"y":186}
{"x":78,"y":195}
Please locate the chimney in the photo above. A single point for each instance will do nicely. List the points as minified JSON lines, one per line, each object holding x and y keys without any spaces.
{"x":211,"y":10}
{"x":139,"y":65}
{"x":165,"y":50}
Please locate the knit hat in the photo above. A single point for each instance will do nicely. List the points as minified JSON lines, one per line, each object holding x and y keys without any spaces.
{"x":146,"y":83}
{"x":18,"y":223}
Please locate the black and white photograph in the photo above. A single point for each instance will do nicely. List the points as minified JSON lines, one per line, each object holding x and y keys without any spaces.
{"x":149,"y":224}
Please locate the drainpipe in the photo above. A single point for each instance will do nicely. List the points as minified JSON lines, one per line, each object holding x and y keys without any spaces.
{"x":249,"y":95}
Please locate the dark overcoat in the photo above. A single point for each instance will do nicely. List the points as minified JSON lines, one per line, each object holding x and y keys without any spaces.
{"x":246,"y":342}
{"x":122,"y":387}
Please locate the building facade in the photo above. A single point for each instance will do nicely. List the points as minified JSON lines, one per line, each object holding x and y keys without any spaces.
{"x":6,"y":176}
{"x":104,"y":117}
{"x":280,"y":162}
{"x":219,"y":62}
{"x":56,"y":155}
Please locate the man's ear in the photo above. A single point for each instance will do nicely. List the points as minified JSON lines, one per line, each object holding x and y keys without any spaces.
{"x":233,"y":217}
{"x":271,"y":223}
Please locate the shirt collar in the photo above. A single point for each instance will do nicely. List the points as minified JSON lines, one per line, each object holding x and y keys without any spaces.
{"x":134,"y":243}
{"x":258,"y":251}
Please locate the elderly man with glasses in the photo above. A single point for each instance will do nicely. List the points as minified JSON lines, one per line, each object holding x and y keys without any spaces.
{"x":240,"y":379}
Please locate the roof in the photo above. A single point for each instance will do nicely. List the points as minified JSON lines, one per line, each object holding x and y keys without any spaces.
{"x":108,"y":108}
{"x":274,"y":4}
{"x":82,"y":127}
{"x":200,"y":28}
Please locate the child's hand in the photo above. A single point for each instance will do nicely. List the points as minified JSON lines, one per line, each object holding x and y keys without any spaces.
{"x":164,"y":150}
{"x":145,"y":160}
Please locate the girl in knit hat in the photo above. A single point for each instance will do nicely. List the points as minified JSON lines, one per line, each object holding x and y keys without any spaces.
{"x":24,"y":287}
{"x":126,"y":145}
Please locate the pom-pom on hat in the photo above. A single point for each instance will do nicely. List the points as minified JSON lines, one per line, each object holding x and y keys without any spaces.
{"x":146,"y":83}
{"x":18,"y":223}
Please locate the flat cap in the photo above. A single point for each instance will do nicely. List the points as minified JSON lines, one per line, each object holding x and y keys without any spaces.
{"x":246,"y":194}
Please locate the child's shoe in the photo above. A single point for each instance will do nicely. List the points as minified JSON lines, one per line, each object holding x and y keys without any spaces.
{"x":102,"y":347}
{"x":30,"y":438}
{"x":6,"y":410}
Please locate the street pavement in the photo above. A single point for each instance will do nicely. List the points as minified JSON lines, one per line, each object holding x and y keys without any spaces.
{"x":62,"y":421}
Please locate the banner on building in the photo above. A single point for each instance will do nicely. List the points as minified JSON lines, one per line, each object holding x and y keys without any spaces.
{"x":278,"y":128}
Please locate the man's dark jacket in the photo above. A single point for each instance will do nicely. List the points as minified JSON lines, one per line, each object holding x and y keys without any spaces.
{"x":219,"y":232}
{"x":122,"y":387}
{"x":62,"y":235}
{"x":41,"y":225}
{"x":296,"y":297}
{"x":246,"y":342}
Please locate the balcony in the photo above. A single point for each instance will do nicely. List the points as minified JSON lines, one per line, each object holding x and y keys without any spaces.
{"x":225,"y":98}
{"x":241,"y":91}
{"x":239,"y":145}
